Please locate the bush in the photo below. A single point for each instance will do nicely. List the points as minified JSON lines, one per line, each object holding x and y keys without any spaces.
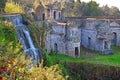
{"x":87,"y":71}
{"x":11,"y":7}
{"x":47,"y":58}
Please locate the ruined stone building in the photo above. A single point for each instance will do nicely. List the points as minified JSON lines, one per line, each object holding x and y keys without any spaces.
{"x":66,"y":35}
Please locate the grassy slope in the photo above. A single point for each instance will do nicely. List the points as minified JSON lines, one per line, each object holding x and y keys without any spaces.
{"x":91,"y":57}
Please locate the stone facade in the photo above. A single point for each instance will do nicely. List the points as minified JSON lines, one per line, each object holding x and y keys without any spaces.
{"x":62,"y":39}
{"x":66,"y":35}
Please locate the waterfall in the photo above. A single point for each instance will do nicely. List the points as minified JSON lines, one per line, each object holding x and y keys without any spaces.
{"x":24,"y":37}
{"x":30,"y":43}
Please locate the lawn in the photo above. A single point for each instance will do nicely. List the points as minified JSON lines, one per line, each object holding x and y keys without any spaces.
{"x":91,"y":57}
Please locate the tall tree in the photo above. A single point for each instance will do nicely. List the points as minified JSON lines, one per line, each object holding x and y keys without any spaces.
{"x":92,"y":9}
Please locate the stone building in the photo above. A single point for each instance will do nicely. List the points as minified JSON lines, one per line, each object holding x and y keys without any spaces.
{"x":66,"y":35}
{"x":63,"y":39}
{"x":53,"y":11}
{"x":48,"y":12}
{"x":98,"y":33}
{"x":38,"y":12}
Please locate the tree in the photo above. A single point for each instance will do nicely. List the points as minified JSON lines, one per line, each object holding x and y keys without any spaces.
{"x":105,"y":10}
{"x":11,"y":7}
{"x":114,"y":11}
{"x":92,"y":9}
{"x":69,"y":8}
{"x":77,"y":8}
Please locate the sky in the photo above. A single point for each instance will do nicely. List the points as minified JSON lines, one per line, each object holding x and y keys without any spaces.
{"x":108,"y":2}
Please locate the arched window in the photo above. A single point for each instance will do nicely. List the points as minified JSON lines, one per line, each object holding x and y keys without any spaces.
{"x":54,"y":14}
{"x":89,"y":42}
{"x":48,"y":13}
{"x":114,"y":40}
{"x":43,"y":16}
{"x":59,"y":14}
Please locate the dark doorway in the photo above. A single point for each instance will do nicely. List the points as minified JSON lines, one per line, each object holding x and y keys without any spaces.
{"x":114,"y":40}
{"x":56,"y":47}
{"x":54,"y":14}
{"x":105,"y":45}
{"x":43,"y":16}
{"x":89,"y":42}
{"x":76,"y":51}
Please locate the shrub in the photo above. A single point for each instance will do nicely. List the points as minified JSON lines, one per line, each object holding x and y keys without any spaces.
{"x":88,"y":71}
{"x":11,"y":7}
{"x":19,"y":69}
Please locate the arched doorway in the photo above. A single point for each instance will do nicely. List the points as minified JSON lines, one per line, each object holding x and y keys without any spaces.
{"x":76,"y":51}
{"x":114,"y":40}
{"x":56,"y":47}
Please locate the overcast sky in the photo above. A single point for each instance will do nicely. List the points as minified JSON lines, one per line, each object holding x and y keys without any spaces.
{"x":108,"y":2}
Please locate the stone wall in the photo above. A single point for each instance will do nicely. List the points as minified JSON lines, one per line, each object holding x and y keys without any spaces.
{"x":71,"y":48}
{"x":55,"y":43}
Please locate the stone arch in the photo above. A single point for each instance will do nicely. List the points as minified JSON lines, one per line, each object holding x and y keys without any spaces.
{"x":114,"y":40}
{"x":56,"y":47}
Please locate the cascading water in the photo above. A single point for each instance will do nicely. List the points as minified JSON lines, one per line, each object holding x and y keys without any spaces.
{"x":30,"y":43}
{"x":24,"y":37}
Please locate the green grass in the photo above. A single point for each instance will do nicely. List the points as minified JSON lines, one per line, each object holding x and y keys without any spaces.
{"x":63,"y":58}
{"x":113,"y":59}
{"x":91,"y":57}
